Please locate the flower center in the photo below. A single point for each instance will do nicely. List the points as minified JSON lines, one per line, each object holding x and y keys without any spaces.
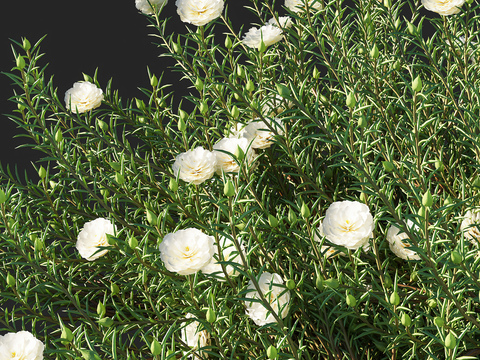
{"x":187,"y":254}
{"x":348,"y":227}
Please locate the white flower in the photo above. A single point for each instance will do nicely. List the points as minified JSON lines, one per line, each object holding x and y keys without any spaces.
{"x":193,"y":337}
{"x":443,"y":7}
{"x":261,"y":135}
{"x":348,"y":224}
{"x":398,"y":246}
{"x":93,"y":235}
{"x":470,"y":225}
{"x":277,"y":296}
{"x":298,"y":5}
{"x":229,"y":253}
{"x":282,"y":22}
{"x":325,"y":250}
{"x":199,"y":12}
{"x":20,"y":346}
{"x":226,"y":162}
{"x":149,"y":6}
{"x":186,"y":251}
{"x":270,"y":34}
{"x":83,"y":96}
{"x":195,"y":166}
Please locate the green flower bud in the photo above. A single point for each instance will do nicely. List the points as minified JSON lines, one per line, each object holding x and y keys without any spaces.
{"x":417,"y":84}
{"x":239,"y":154}
{"x":107,"y":322}
{"x":405,"y":320}
{"x":228,"y":42}
{"x":237,"y":96}
{"x":42,"y":172}
{"x":250,"y":86}
{"x":3,"y":197}
{"x":240,"y":71}
{"x":199,"y":84}
{"x":203,"y":107}
{"x":272,"y":220}
{"x":182,"y":126}
{"x":119,"y":178}
{"x":388,"y":166}
{"x":439,"y":165}
{"x":394,"y":298}
{"x":101,"y":310}
{"x":427,"y":199}
{"x":38,"y":244}
{"x":262,"y":47}
{"x":421,"y":211}
{"x":151,"y":218}
{"x":272,"y":352}
{"x":102,"y":125}
{"x":351,"y":301}
{"x":115,"y":165}
{"x":283,"y":91}
{"x":363,"y":198}
{"x":173,"y":185}
{"x":153,"y":81}
{"x":155,"y":348}
{"x":448,"y":201}
{"x":59,"y":136}
{"x":437,"y":320}
{"x":234,"y":112}
{"x":111,"y":239}
{"x":397,"y":65}
{"x":432,"y":303}
{"x":362,"y":122}
{"x":397,"y":23}
{"x":290,"y":284}
{"x":211,"y":316}
{"x":351,"y":102}
{"x":89,"y":354}
{"x":316,"y":73}
{"x":292,"y":217}
{"x":104,"y":192}
{"x":387,"y":3}
{"x":20,"y":106}
{"x":20,"y":62}
{"x":469,"y":2}
{"x":332,"y":283}
{"x":140,"y":104}
{"x":26,"y":44}
{"x":229,"y":189}
{"x":450,"y":341}
{"x":177,"y":48}
{"x":374,"y":53}
{"x":305,"y":211}
{"x":114,"y":289}
{"x":319,"y":282}
{"x":413,"y":276}
{"x":11,"y":280}
{"x":411,"y":28}
{"x":132,"y":242}
{"x":456,"y":257}
{"x":66,"y":336}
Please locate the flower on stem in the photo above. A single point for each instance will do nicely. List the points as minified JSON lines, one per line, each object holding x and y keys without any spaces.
{"x":400,"y":248}
{"x":186,"y":251}
{"x":349,"y":224}
{"x":229,"y":253}
{"x":149,"y":6}
{"x":260,"y":134}
{"x":93,"y":235}
{"x":83,"y":96}
{"x":300,"y":5}
{"x":470,"y":226}
{"x":276,"y":295}
{"x":226,"y":162}
{"x":194,"y":337}
{"x":199,"y":12}
{"x":20,"y":345}
{"x":443,"y":7}
{"x":195,"y":166}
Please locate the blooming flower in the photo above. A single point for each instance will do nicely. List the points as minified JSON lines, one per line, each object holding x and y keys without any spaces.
{"x":93,"y":235}
{"x":282,"y":22}
{"x":229,"y":253}
{"x":199,"y":12}
{"x":225,"y":161}
{"x":298,"y":5}
{"x":83,"y":96}
{"x":186,"y":251}
{"x":20,"y":346}
{"x":398,"y":246}
{"x":276,"y":295}
{"x":470,"y":225}
{"x":261,"y":135}
{"x":349,"y":224}
{"x":443,"y":7}
{"x":194,"y":337}
{"x":270,"y":34}
{"x":149,"y":6}
{"x":195,"y":166}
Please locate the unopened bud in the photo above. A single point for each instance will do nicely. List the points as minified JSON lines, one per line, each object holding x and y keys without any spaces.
{"x":417,"y":84}
{"x":456,"y":257}
{"x":387,"y":3}
{"x":397,"y":65}
{"x":39,"y":244}
{"x":292,"y":217}
{"x":272,"y":220}
{"x":114,"y":289}
{"x":394,"y":298}
{"x":448,"y":201}
{"x":239,"y":154}
{"x":290,"y":284}
{"x":119,"y":178}
{"x":20,"y":62}
{"x":438,"y":321}
{"x":305,"y":211}
{"x":229,"y":189}
{"x":177,"y":48}
{"x":211,"y":316}
{"x":387,"y":281}
{"x":199,"y":84}
{"x":101,"y":311}
{"x":439,"y":165}
{"x":432,"y":303}
{"x":155,"y":348}
{"x":405,"y":320}
{"x":283,"y":91}
{"x":140,"y":104}
{"x":107,"y":322}
{"x":234,"y":112}
{"x":66,"y":336}
{"x":316,"y":73}
{"x":272,"y":352}
{"x":173,"y":185}
{"x":153,"y":81}
{"x":374,"y":53}
{"x":362,"y":122}
{"x":351,"y":102}
{"x":228,"y":42}
{"x":411,"y":28}
{"x":102,"y":125}
{"x":42,"y":172}
{"x":26,"y":45}
{"x":10,"y":280}
{"x":240,"y":71}
{"x":151,"y":218}
{"x":132,"y":242}
{"x":351,"y":301}
{"x":388,"y":166}
{"x":59,"y":136}
{"x":427,"y":199}
{"x":250,"y":86}
{"x":3,"y":197}
{"x":397,"y":23}
{"x":262,"y":47}
{"x":203,"y":107}
{"x":332,"y":283}
{"x":319,"y":282}
{"x":421,"y":211}
{"x":450,"y":341}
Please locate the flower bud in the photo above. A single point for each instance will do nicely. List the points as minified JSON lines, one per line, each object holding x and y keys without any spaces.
{"x":102,"y":125}
{"x":283,"y":91}
{"x":438,"y":321}
{"x":89,"y":354}
{"x":272,"y":220}
{"x":456,"y":257}
{"x":250,"y":86}
{"x":362,"y":122}
{"x":104,"y":192}
{"x":229,"y":189}
{"x":234,"y":112}
{"x":397,"y":65}
{"x":203,"y":107}
{"x":388,"y":166}
{"x":439,"y":165}
{"x":59,"y":136}
{"x":332,"y":283}
{"x":262,"y":47}
{"x":38,"y":244}
{"x":114,"y":289}
{"x":351,"y":102}
{"x":151,"y":218}
{"x":469,"y":2}
{"x":417,"y":84}
{"x":239,"y":154}
{"x":10,"y":280}
{"x":290,"y":284}
{"x":292,"y":217}
{"x":101,"y":311}
{"x":450,"y":341}
{"x":3,"y":197}
{"x":153,"y":81}
{"x":427,"y":199}
{"x":107,"y":322}
{"x":305,"y":211}
{"x":387,"y":3}
{"x":132,"y":242}
{"x":228,"y":42}
{"x":421,"y":211}
{"x":140,"y":104}
{"x":316,"y":73}
{"x":319,"y":283}
{"x":20,"y":62}
{"x":351,"y":301}
{"x":411,"y":28}
{"x":432,"y":303}
{"x":20,"y":106}
{"x":66,"y":336}
{"x":413,"y":276}
{"x":26,"y":44}
{"x":211,"y":316}
{"x":111,"y":239}
{"x":155,"y":348}
{"x":405,"y":320}
{"x":173,"y":185}
{"x":448,"y":201}
{"x":115,"y":165}
{"x":42,"y":172}
{"x":240,"y":71}
{"x":397,"y":23}
{"x":119,"y":178}
{"x":394,"y":298}
{"x":374,"y":53}
{"x":199,"y":84}
{"x":272,"y":352}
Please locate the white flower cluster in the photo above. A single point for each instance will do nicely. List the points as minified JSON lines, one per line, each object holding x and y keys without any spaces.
{"x":21,"y":345}
{"x":83,"y":96}
{"x":199,"y":12}
{"x":398,"y":246}
{"x":149,"y":6}
{"x":443,"y":7}
{"x":93,"y":235}
{"x":270,"y":33}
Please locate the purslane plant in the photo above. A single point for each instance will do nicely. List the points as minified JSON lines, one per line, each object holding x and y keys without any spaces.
{"x":315,"y":196}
